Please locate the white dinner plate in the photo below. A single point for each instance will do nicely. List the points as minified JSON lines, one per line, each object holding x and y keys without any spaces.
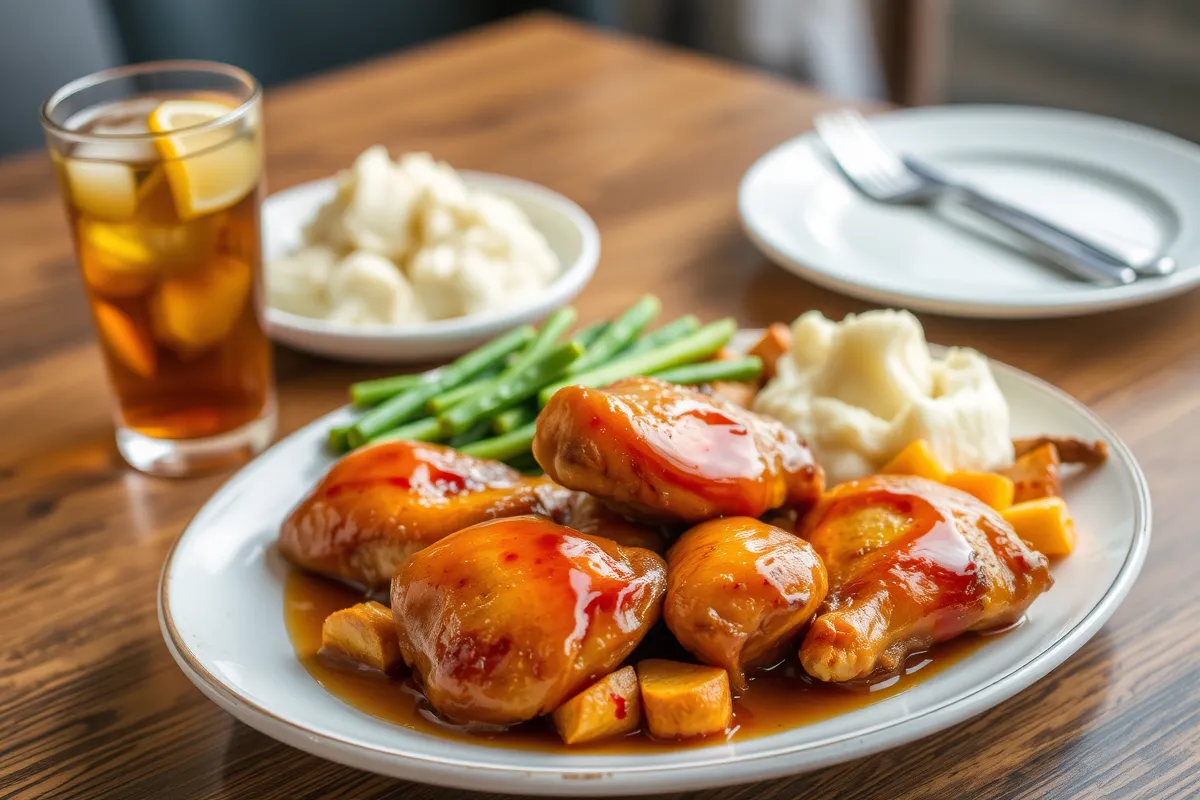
{"x":568,"y":229}
{"x":222,"y":615}
{"x":1129,"y":187}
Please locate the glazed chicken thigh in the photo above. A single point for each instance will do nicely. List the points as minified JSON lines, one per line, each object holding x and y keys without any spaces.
{"x":911,"y":562}
{"x":505,"y":620}
{"x":662,"y":453}
{"x":379,"y":505}
{"x":739,"y":592}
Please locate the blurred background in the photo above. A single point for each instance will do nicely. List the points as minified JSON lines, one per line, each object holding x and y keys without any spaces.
{"x":1134,"y":59}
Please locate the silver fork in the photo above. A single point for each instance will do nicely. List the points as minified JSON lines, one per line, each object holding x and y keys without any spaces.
{"x":886,"y":177}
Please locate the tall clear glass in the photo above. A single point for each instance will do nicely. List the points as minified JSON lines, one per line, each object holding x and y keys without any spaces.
{"x":161,"y":169}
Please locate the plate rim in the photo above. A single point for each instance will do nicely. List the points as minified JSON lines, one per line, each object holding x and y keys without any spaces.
{"x":1040,"y":306}
{"x":701,"y":772}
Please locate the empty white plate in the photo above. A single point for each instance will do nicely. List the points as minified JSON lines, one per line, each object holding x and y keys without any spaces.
{"x":568,"y":229}
{"x":1126,"y":186}
{"x":221,"y":608}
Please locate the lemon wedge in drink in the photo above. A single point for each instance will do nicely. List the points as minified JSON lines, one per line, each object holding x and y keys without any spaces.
{"x":208,"y":170}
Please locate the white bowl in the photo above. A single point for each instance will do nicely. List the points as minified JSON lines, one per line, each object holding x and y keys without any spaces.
{"x":570,"y":232}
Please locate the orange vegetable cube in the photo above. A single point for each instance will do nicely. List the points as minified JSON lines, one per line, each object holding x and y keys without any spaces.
{"x":684,"y":700}
{"x":1036,"y":474}
{"x":993,"y":489}
{"x":612,"y":706}
{"x":916,"y":459}
{"x":1045,"y":524}
{"x":770,"y":348}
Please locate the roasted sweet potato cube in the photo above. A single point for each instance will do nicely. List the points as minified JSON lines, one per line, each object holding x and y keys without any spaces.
{"x":993,"y":489}
{"x":612,"y":706}
{"x":684,"y":700}
{"x":1036,"y":474}
{"x":1045,"y":524}
{"x":773,"y":344}
{"x":916,"y":459}
{"x":364,"y":633}
{"x":1070,"y":449}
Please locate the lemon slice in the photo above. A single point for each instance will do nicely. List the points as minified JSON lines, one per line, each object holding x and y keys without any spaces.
{"x":208,"y":170}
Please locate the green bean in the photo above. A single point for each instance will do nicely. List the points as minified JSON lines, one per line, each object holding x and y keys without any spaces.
{"x":452,"y":397}
{"x":365,"y":394}
{"x":499,"y":448}
{"x":510,"y":391}
{"x":422,"y":430}
{"x":734,"y":369}
{"x":480,"y":430}
{"x":556,"y":325}
{"x":673,"y":330}
{"x":620,"y":333}
{"x":337,"y":439}
{"x":587,"y":337}
{"x":700,"y":345}
{"x":515,"y":417}
{"x":408,"y":405}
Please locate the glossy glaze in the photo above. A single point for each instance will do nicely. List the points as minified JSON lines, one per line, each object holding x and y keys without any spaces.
{"x":777,"y":700}
{"x":380,"y":504}
{"x":911,"y":562}
{"x":505,"y":620}
{"x":663,"y":453}
{"x":739,"y":592}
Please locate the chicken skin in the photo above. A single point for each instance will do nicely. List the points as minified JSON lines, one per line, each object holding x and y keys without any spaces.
{"x":586,"y":514}
{"x":505,"y":620}
{"x":657,"y":452}
{"x":911,"y":562}
{"x":379,"y":505}
{"x":739,"y":592}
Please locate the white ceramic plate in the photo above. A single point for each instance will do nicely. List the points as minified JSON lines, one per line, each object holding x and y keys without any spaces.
{"x":221,"y":611}
{"x":568,"y":229}
{"x":1124,"y":185}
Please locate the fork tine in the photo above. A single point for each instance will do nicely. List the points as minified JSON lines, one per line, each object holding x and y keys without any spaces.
{"x":863,"y":157}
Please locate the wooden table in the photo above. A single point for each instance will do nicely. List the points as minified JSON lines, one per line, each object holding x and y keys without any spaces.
{"x":652,"y":143}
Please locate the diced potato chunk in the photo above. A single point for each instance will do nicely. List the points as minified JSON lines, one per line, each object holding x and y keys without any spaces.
{"x":739,"y":393}
{"x":773,"y":344}
{"x":364,"y":633}
{"x":916,"y":459}
{"x":994,"y":490}
{"x":684,"y":700}
{"x":1036,"y":474}
{"x":1045,"y":524}
{"x":612,"y":706}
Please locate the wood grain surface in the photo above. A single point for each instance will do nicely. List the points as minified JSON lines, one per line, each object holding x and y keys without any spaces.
{"x":652,"y":143}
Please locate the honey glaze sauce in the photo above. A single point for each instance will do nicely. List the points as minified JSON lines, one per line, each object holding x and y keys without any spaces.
{"x":777,"y":700}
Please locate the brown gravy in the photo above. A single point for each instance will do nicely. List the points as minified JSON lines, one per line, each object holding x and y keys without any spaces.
{"x":777,"y":700}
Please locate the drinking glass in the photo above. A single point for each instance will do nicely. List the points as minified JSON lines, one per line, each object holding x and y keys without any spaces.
{"x":160,"y":166}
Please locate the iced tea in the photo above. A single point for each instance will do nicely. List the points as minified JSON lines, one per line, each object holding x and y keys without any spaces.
{"x":162,"y":191}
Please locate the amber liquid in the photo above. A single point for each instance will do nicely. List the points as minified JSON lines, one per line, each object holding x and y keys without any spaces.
{"x":778,"y":700}
{"x":173,"y":291}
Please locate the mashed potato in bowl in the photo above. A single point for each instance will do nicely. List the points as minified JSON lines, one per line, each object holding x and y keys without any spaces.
{"x":861,"y":389}
{"x":407,"y":241}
